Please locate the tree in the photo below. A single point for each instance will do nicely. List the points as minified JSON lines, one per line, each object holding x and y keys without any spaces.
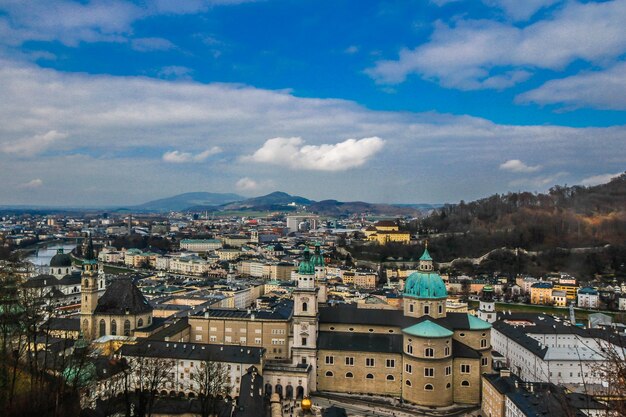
{"x":211,"y":381}
{"x":148,"y":376}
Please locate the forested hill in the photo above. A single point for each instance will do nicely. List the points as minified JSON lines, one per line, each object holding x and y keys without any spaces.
{"x":566,"y":217}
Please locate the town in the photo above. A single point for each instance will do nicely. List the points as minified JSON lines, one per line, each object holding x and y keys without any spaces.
{"x":175,"y":311}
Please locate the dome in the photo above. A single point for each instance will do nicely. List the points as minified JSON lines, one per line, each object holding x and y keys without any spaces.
{"x":425,"y":285}
{"x":428,"y":329}
{"x":317,"y":259}
{"x":61,"y":260}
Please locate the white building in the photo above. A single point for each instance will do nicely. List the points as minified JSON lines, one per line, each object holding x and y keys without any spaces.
{"x":539,"y":348}
{"x":588,"y":298}
{"x":200,"y":245}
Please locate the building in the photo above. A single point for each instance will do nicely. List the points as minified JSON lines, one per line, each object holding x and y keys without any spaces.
{"x":541,"y":293}
{"x":200,"y":245}
{"x":486,"y":306}
{"x":588,"y":298}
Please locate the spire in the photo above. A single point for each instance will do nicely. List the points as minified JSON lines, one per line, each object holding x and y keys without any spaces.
{"x":426,"y":262}
{"x":89,"y":253}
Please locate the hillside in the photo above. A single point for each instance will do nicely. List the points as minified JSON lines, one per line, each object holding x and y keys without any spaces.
{"x":338,"y":208}
{"x":183,"y":201}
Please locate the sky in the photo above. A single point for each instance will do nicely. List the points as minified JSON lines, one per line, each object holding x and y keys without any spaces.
{"x":113,"y":102}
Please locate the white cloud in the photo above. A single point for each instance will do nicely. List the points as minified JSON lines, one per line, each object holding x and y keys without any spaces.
{"x":172,"y":72}
{"x":151,"y":44}
{"x":521,"y":9}
{"x":515,"y":165}
{"x":468,"y":54}
{"x":71,"y":22}
{"x":539,"y":181}
{"x":115,"y":124}
{"x":36,"y":183}
{"x":179,"y":157}
{"x":352,"y":49}
{"x":599,"y":179}
{"x":294,"y":154}
{"x":598,"y":89}
{"x":33,"y":145}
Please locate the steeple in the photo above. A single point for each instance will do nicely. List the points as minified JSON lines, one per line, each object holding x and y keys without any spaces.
{"x":426,"y":262}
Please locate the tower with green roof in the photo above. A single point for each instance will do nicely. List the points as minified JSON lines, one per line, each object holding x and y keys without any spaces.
{"x":486,"y":306}
{"x":305,"y":316}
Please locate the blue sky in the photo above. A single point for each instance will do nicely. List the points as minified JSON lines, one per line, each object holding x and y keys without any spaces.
{"x":116,"y":102}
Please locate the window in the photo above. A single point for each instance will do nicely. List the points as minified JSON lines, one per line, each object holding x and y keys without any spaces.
{"x":409,"y":349}
{"x":428,"y":387}
{"x":257,"y":340}
{"x":102,"y":328}
{"x":448,"y":385}
{"x":369,"y":376}
{"x":465,"y":383}
{"x":410,"y":308}
{"x":484,"y":361}
{"x":228,"y":339}
{"x":446,"y":351}
{"x":448,"y":370}
{"x":349,"y":361}
{"x":228,"y":330}
{"x":140,"y":323}
{"x":408,"y":382}
{"x":113,"y":327}
{"x":304,"y":341}
{"x":429,"y":352}
{"x":369,"y":362}
{"x":465,"y":369}
{"x":242,"y":340}
{"x":426,"y":309}
{"x":126,"y":327}
{"x":198,"y":338}
{"x":483,"y":343}
{"x":440,"y":309}
{"x":390,"y":378}
{"x":462,"y":334}
{"x":329,"y":373}
{"x":391,"y":363}
{"x":429,"y":372}
{"x":305,"y":307}
{"x":349,"y":375}
{"x":408,"y":368}
{"x":330,"y":360}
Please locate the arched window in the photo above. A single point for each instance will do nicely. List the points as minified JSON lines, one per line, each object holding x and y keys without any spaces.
{"x":408,"y":382}
{"x":465,"y":383}
{"x":103,"y":330}
{"x":428,"y":387}
{"x":440,"y":309}
{"x":410,"y":308}
{"x":390,"y":378}
{"x":409,"y":349}
{"x":446,"y":351}
{"x":369,"y":376}
{"x":426,"y":309}
{"x":305,"y":307}
{"x":126,"y":327}
{"x":86,"y":283}
{"x":448,"y":385}
{"x":483,"y":343}
{"x":349,"y":375}
{"x":329,"y":373}
{"x":140,"y":323}
{"x":113,"y":327}
{"x":429,"y":352}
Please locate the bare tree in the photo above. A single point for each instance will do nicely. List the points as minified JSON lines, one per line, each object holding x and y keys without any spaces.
{"x":147,"y":375}
{"x":211,"y":381}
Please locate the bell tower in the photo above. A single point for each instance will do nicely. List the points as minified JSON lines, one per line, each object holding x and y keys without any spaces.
{"x":305,"y":318}
{"x":91,"y":283}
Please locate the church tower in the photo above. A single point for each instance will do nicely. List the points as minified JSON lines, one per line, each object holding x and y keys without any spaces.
{"x":317,"y":259}
{"x":305,"y":318}
{"x":486,"y":305}
{"x":92,"y":284}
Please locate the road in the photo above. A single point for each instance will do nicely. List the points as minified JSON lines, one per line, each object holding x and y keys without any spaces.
{"x":358,"y":410}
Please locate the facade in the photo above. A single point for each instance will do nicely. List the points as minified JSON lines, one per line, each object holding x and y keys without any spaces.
{"x":541,"y":293}
{"x":200,"y":245}
{"x":487,"y":307}
{"x":588,"y":298}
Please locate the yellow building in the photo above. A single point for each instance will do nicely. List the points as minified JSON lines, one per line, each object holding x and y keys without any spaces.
{"x":384,"y":237}
{"x":541,"y":293}
{"x":569,"y":289}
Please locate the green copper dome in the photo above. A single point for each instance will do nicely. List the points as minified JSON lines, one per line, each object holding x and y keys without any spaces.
{"x":425,"y":285}
{"x":306,"y":267}
{"x":425,"y":256}
{"x":317,"y":259}
{"x":428,"y":329}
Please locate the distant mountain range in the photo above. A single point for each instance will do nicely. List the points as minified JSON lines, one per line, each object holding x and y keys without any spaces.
{"x":182,"y":202}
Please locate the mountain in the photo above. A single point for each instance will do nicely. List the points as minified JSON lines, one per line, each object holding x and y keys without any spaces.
{"x":274,"y":201}
{"x":338,"y":208}
{"x":183,"y":201}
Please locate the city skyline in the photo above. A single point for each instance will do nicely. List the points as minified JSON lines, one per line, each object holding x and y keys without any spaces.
{"x":115,"y":103}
